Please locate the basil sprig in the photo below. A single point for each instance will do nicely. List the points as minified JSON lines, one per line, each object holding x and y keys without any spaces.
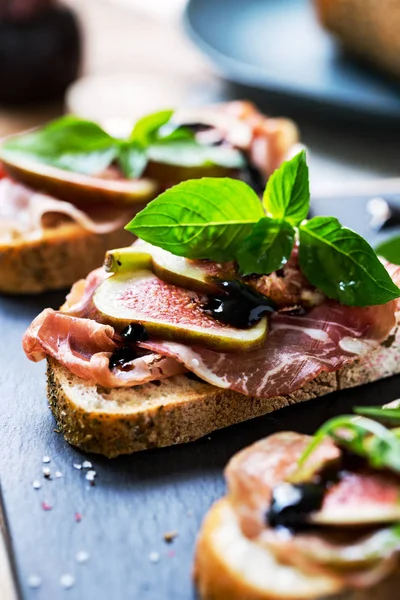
{"x":81,"y":146}
{"x":365,"y":437}
{"x":222,"y":219}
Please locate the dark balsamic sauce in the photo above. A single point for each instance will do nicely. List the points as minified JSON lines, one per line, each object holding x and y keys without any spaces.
{"x":135,"y":332}
{"x":122,"y":356}
{"x":238,"y":305}
{"x":292,"y":504}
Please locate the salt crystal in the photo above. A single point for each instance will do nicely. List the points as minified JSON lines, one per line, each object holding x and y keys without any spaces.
{"x":46,"y":472}
{"x":77,"y":466}
{"x":90,"y":476}
{"x":87,"y":464}
{"x":34,"y":581}
{"x":82,"y":557}
{"x":67,"y":581}
{"x":154,"y":557}
{"x":46,"y":459}
{"x":36,"y":485}
{"x":58,"y":474}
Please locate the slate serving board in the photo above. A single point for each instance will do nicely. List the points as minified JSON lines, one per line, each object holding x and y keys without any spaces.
{"x":136,"y":499}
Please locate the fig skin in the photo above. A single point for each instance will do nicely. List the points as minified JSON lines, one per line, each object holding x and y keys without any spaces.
{"x":39,"y":56}
{"x":118,"y":305}
{"x":77,"y":188}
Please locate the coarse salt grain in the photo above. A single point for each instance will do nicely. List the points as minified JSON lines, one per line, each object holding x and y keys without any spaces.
{"x":87,"y":464}
{"x":36,"y":485}
{"x":67,"y":581}
{"x":46,"y":472}
{"x":154,"y":557}
{"x":46,"y":459}
{"x":82,"y":556}
{"x":90,"y":476}
{"x":58,"y":474}
{"x":77,"y":466}
{"x":34,"y":581}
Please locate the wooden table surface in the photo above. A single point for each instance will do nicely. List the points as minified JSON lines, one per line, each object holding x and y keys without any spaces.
{"x":129,"y":45}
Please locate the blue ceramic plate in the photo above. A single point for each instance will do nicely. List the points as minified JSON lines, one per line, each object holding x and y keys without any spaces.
{"x":278,"y":46}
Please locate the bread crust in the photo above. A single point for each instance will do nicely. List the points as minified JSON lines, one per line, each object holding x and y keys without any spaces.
{"x":114,"y":421}
{"x":228,"y":566}
{"x":56,"y":259}
{"x":366,"y":29}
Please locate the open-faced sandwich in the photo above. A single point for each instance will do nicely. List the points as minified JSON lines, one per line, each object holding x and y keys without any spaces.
{"x":308,"y":517}
{"x":67,"y":190}
{"x":226,"y":308}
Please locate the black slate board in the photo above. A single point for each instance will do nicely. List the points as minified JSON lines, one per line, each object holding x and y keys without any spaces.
{"x":136,"y":499}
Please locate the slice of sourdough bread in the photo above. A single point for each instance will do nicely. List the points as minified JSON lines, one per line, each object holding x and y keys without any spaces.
{"x":229,"y":566}
{"x":56,"y":259}
{"x":114,"y":421}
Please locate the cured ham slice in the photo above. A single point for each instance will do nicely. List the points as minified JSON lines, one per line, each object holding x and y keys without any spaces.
{"x":23,"y":212}
{"x":297,"y":349}
{"x":85,"y":347}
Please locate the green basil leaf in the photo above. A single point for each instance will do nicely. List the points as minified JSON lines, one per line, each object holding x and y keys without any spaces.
{"x":267,"y":248}
{"x":200,"y":218}
{"x":343,"y":265}
{"x":390,"y":249}
{"x":189,"y":153}
{"x":132,"y":161}
{"x":146,"y":130}
{"x":387,"y":415}
{"x":69,"y":143}
{"x":287,"y":195}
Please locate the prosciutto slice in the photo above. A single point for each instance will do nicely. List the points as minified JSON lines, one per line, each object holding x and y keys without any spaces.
{"x":85,"y":347}
{"x":297,"y":349}
{"x":22,"y":212}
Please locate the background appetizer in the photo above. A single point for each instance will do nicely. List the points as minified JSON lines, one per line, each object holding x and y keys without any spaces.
{"x":67,"y":189}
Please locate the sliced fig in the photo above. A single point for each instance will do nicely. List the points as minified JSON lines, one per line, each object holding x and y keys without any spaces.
{"x":360,"y":499}
{"x":169,"y":312}
{"x":76,"y":187}
{"x":167,"y":266}
{"x":336,"y":548}
{"x":169,"y":174}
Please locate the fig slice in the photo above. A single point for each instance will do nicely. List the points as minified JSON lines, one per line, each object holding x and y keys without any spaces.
{"x":76,"y":187}
{"x":167,"y":266}
{"x":169,"y":312}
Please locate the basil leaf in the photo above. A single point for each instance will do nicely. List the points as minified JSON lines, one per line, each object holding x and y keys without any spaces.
{"x":69,"y":143}
{"x":390,"y":249}
{"x":146,"y":129}
{"x":343,"y":265}
{"x":287,"y":195}
{"x":391,"y":415}
{"x":189,"y":153}
{"x":132,"y":161}
{"x":267,"y":248}
{"x":200,"y":218}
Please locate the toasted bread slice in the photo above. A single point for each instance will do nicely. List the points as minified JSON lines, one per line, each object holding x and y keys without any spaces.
{"x":229,"y":566}
{"x":367,"y":28}
{"x":55,"y":259}
{"x":113,"y":421}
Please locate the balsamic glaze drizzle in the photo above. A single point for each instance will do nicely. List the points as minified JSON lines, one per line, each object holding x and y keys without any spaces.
{"x":239,"y":305}
{"x":122,"y":356}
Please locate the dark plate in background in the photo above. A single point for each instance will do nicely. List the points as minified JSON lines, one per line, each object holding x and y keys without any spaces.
{"x":279,"y":47}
